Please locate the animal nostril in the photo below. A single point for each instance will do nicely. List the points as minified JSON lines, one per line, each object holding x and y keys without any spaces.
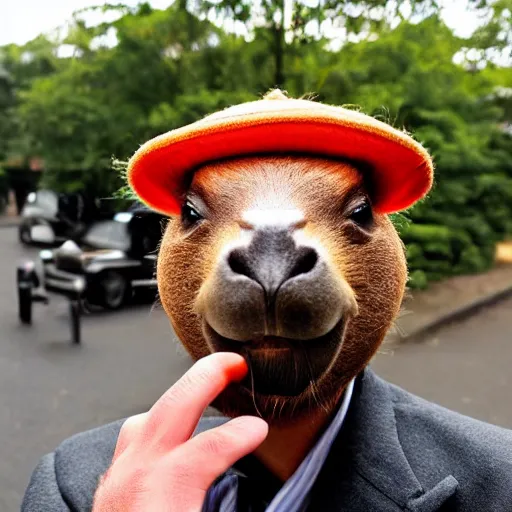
{"x":238,"y":264}
{"x":305,"y":263}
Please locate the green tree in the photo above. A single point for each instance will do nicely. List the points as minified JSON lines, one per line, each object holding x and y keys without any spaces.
{"x":284,"y":24}
{"x":106,"y":100}
{"x":494,"y":38}
{"x":19,"y":66}
{"x":6,"y":104}
{"x":166,"y":68}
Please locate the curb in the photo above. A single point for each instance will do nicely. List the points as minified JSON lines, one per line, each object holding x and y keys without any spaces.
{"x":455,"y":315}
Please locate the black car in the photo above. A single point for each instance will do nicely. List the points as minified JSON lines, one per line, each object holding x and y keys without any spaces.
{"x":115,"y":263}
{"x":49,"y":217}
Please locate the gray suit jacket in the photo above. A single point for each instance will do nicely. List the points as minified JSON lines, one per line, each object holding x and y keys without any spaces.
{"x":395,"y":452}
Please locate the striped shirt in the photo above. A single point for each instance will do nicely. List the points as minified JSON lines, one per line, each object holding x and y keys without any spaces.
{"x":294,"y":495}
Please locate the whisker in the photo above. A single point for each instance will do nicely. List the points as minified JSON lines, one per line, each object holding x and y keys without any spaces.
{"x":274,"y":409}
{"x":253,"y":389}
{"x":283,"y":403}
{"x":319,"y":401}
{"x":314,"y":389}
{"x":377,"y":329}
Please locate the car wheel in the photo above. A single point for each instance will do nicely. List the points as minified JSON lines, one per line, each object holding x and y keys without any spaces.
{"x":74,"y":318}
{"x":113,"y":289}
{"x":25,"y":305}
{"x":24,"y":235}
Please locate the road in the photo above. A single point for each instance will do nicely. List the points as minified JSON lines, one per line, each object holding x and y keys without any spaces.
{"x":465,"y":366}
{"x":50,"y":389}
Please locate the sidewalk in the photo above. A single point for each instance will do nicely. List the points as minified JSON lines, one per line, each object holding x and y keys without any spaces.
{"x":453,"y":299}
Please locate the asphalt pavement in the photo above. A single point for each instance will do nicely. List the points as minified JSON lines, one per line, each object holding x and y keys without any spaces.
{"x":50,"y":389}
{"x":466,"y":366}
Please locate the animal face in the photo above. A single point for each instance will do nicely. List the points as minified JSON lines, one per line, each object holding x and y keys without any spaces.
{"x":282,"y":260}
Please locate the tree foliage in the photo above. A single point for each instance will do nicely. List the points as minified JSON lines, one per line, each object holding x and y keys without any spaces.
{"x":149,"y":71}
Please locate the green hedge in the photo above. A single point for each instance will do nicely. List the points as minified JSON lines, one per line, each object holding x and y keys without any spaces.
{"x":469,"y":210}
{"x":455,"y":231}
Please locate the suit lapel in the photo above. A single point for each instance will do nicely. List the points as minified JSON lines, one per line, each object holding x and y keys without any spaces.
{"x":367,"y":468}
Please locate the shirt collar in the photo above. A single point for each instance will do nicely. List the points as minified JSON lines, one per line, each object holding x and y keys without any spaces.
{"x":293,"y":496}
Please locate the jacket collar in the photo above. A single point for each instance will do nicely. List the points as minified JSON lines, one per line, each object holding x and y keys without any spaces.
{"x":371,"y":446}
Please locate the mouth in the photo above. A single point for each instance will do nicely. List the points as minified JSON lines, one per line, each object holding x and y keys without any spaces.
{"x":281,"y":366}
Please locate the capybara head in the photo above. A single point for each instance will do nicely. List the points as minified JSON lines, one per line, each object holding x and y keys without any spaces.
{"x":283,"y":260}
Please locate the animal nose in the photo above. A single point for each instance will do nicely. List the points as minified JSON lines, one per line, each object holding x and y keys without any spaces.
{"x":271,"y":285}
{"x":271,"y":259}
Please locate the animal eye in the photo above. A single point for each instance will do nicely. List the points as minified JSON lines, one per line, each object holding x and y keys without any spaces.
{"x":189,"y":215}
{"x":362,"y":215}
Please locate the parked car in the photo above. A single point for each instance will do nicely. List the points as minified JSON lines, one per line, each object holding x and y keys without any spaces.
{"x":63,"y":216}
{"x":115,"y":263}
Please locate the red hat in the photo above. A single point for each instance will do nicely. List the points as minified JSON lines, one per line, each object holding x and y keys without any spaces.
{"x":401,"y":170}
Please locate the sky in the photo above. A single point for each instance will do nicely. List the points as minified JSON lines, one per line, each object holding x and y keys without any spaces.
{"x":22,"y":20}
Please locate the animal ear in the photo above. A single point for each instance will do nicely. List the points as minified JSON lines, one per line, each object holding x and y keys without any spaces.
{"x":276,"y":94}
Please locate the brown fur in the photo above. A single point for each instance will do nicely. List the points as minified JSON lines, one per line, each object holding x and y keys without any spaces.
{"x":372,"y":263}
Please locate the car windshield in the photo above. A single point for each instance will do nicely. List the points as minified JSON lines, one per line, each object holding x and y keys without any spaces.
{"x":108,"y":234}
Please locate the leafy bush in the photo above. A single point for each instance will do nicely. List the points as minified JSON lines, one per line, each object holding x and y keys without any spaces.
{"x":418,"y":280}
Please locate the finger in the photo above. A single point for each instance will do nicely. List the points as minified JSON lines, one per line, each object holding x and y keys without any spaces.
{"x":173,"y":418}
{"x":205,"y":457}
{"x":130,"y":431}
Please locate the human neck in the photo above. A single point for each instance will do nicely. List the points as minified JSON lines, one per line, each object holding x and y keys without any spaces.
{"x":286,"y":446}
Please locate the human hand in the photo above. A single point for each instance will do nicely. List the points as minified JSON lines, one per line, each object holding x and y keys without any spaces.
{"x":157,"y":466}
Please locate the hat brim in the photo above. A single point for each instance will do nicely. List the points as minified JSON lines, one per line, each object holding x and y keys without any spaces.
{"x":401,"y":170}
